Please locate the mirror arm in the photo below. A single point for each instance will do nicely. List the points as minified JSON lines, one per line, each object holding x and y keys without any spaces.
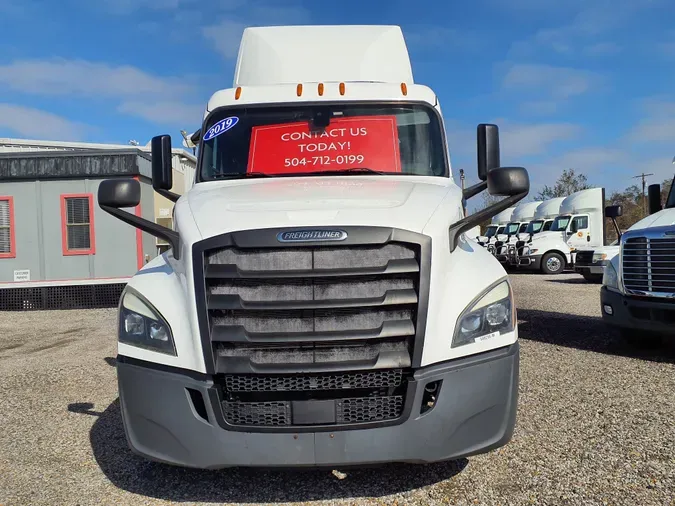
{"x":618,"y":230}
{"x":151,"y":228}
{"x":477,"y":218}
{"x":173,"y":197}
{"x":471,"y":191}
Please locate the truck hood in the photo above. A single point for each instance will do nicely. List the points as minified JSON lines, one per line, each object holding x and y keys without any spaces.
{"x":542,"y":236}
{"x":406,"y":202}
{"x":663,"y":218}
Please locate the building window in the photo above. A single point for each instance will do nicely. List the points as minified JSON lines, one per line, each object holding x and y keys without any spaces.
{"x":7,"y":242}
{"x":77,"y":224}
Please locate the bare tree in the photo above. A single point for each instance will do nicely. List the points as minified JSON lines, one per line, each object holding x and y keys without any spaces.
{"x":569,"y":182}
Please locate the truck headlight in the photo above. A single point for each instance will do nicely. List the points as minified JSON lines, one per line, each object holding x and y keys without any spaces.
{"x":610,"y":278}
{"x":141,"y":325}
{"x":489,"y":316}
{"x":599,"y":257}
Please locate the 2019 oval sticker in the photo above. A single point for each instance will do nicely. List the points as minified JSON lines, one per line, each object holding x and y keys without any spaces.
{"x":221,"y":127}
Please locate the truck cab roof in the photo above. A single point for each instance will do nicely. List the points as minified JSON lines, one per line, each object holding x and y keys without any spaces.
{"x":321,"y":63}
{"x":312,"y":54}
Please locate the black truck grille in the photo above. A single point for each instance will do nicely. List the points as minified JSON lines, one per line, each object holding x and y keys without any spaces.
{"x":312,"y":334}
{"x":271,"y":309}
{"x":649,"y":265}
{"x":584,"y":257}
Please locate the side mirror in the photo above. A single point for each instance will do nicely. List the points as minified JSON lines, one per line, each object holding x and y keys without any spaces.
{"x":573,"y":227}
{"x":119,"y":193}
{"x":487,"y":142}
{"x":613,"y":211}
{"x":116,"y":194}
{"x":508,"y":181}
{"x":162,"y":171}
{"x":654,"y":195}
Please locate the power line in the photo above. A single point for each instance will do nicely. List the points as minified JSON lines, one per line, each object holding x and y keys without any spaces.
{"x":644,"y":200}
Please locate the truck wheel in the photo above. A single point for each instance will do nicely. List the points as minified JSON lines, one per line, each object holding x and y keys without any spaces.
{"x":552,"y":263}
{"x":593,"y":278}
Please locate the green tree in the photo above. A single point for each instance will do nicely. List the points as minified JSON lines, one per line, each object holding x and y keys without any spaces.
{"x":569,"y":182}
{"x":630,"y":201}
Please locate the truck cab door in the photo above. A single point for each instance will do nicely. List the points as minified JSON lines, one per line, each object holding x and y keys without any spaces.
{"x":578,"y":232}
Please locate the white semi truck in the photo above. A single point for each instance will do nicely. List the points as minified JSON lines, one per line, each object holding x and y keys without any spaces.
{"x":321,"y":304}
{"x":579,"y":226}
{"x":495,"y":229}
{"x":638,"y":287}
{"x":521,"y":218}
{"x":546,"y":213}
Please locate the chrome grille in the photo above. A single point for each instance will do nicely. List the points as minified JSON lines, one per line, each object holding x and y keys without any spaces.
{"x":649,"y":265}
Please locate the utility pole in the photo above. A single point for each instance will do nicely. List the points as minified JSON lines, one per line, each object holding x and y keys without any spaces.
{"x":644,"y":200}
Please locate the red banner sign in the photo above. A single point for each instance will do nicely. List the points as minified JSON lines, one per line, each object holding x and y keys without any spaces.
{"x":347,"y":143}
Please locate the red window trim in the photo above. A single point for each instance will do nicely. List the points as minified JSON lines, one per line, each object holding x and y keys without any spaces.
{"x":64,"y":228}
{"x":12,"y":237}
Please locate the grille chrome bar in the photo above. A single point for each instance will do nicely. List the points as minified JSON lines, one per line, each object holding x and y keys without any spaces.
{"x":236,"y":302}
{"x":239,"y":334}
{"x":231,"y":271}
{"x":648,"y":263}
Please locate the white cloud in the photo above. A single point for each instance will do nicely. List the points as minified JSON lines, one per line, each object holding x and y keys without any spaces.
{"x":165,"y":113}
{"x":660,"y":106}
{"x":29,"y":122}
{"x":441,"y":38}
{"x":534,"y":139}
{"x":602,"y":49}
{"x":225,"y":35}
{"x":539,"y":107}
{"x":124,"y":7}
{"x":658,"y":129}
{"x":155,"y":98}
{"x":557,"y":82}
{"x":589,"y":158}
{"x":516,"y":140}
{"x":80,"y":77}
{"x":590,"y":20}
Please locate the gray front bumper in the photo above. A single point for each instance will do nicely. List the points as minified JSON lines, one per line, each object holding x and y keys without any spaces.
{"x":475,"y":413}
{"x":590,"y":268}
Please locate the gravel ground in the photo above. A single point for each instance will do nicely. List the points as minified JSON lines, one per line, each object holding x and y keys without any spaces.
{"x":595,"y":425}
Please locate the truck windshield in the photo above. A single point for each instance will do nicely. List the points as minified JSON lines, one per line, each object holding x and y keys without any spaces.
{"x":511,"y":228}
{"x":534,"y":226}
{"x":670,"y":201}
{"x":523,"y":228}
{"x":547,"y":225}
{"x":491,"y":231}
{"x":560,"y":223}
{"x":344,"y":138}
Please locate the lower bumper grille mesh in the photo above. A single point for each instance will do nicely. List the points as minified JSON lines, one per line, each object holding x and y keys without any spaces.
{"x":347,"y":411}
{"x":275,"y":383}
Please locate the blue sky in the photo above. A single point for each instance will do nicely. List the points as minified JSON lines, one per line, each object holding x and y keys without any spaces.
{"x":584,"y":84}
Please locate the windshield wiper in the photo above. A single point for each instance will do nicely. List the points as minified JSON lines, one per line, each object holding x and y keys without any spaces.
{"x":239,"y":175}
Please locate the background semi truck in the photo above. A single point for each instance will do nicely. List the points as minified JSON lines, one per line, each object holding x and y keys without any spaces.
{"x":579,"y":226}
{"x":496,"y":227}
{"x":321,"y":303}
{"x":638,"y":287}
